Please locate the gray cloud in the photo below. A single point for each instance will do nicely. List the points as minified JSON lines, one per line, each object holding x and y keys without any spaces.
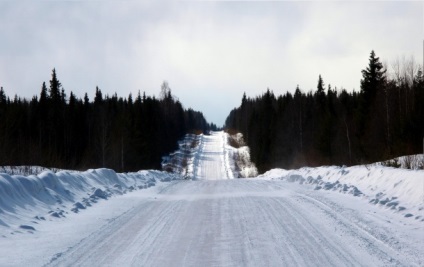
{"x":209,"y":52}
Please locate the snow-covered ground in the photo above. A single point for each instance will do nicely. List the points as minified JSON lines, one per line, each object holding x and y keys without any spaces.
{"x":399,"y":190}
{"x":324,"y":216}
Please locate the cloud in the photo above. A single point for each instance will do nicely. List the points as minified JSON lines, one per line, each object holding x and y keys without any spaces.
{"x":209,"y":52}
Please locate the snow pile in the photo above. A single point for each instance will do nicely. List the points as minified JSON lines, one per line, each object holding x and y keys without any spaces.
{"x":26,"y":170}
{"x":397,"y":189}
{"x":184,"y":161}
{"x":230,"y":166}
{"x":412,"y":162}
{"x":25,"y":201}
{"x":237,"y":155}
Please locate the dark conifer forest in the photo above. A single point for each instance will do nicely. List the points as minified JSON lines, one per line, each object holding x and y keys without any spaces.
{"x":58,"y":130}
{"x":328,"y":126}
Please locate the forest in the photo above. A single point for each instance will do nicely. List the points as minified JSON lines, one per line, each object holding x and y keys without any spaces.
{"x":329,"y":126}
{"x":125,"y":134}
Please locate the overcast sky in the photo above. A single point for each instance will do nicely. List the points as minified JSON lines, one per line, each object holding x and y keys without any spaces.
{"x":209,"y":52}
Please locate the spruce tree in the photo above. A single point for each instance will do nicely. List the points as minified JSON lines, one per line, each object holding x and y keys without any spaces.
{"x":372,"y":77}
{"x":320,"y":86}
{"x":2,"y":97}
{"x":43,"y":94}
{"x":55,"y":87}
{"x":99,"y":97}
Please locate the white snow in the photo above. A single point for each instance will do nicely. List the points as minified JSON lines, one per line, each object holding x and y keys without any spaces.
{"x":323,"y":216}
{"x":239,"y":158}
{"x":184,"y":161}
{"x":412,"y":162}
{"x":25,"y":201}
{"x":397,"y":189}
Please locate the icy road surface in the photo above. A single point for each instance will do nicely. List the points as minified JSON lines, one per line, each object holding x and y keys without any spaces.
{"x":214,"y":221}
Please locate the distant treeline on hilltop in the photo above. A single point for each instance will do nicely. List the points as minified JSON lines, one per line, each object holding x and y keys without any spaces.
{"x":384,"y":120}
{"x":124,"y":134}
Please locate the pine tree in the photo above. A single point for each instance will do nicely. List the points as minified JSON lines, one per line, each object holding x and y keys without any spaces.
{"x":320,"y":94}
{"x":2,"y":96}
{"x":55,"y":87}
{"x":43,"y":94}
{"x":98,"y":97}
{"x":320,"y":86}
{"x":373,"y":77}
{"x":86,"y":99}
{"x":138,"y":99}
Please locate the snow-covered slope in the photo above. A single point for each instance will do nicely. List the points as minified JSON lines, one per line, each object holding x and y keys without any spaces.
{"x":397,"y":189}
{"x":26,"y":201}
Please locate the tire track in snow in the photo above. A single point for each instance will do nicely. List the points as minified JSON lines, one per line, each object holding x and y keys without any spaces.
{"x":115,"y":240}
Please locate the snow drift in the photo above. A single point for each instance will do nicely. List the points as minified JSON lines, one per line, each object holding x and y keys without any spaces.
{"x":27,"y":200}
{"x":184,"y":160}
{"x":397,"y":189}
{"x":237,"y":155}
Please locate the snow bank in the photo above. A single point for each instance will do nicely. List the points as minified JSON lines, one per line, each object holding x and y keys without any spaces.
{"x":26,"y":170}
{"x":238,"y":158}
{"x":412,"y":162}
{"x":25,"y":201}
{"x":228,"y":158}
{"x":184,"y":160}
{"x":397,"y":189}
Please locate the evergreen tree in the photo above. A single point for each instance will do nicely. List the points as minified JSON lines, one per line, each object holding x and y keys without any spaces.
{"x":86,"y":99}
{"x":372,"y":78}
{"x":320,"y":86}
{"x":316,"y":128}
{"x":55,"y":87}
{"x":98,"y":96}
{"x":43,"y":94}
{"x":2,"y":96}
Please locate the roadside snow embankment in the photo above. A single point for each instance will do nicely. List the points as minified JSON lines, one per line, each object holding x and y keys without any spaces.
{"x":25,"y":201}
{"x":184,"y":160}
{"x":237,"y":156}
{"x":397,"y":189}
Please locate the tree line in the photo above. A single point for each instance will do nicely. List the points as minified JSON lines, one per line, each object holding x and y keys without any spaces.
{"x":126,"y":134}
{"x":383,"y":120}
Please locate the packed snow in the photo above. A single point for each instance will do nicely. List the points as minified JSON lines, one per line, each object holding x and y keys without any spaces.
{"x":200,"y":216}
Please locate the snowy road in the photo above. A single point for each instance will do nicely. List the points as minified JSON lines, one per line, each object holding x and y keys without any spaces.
{"x":211,"y":163}
{"x":236,"y":222}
